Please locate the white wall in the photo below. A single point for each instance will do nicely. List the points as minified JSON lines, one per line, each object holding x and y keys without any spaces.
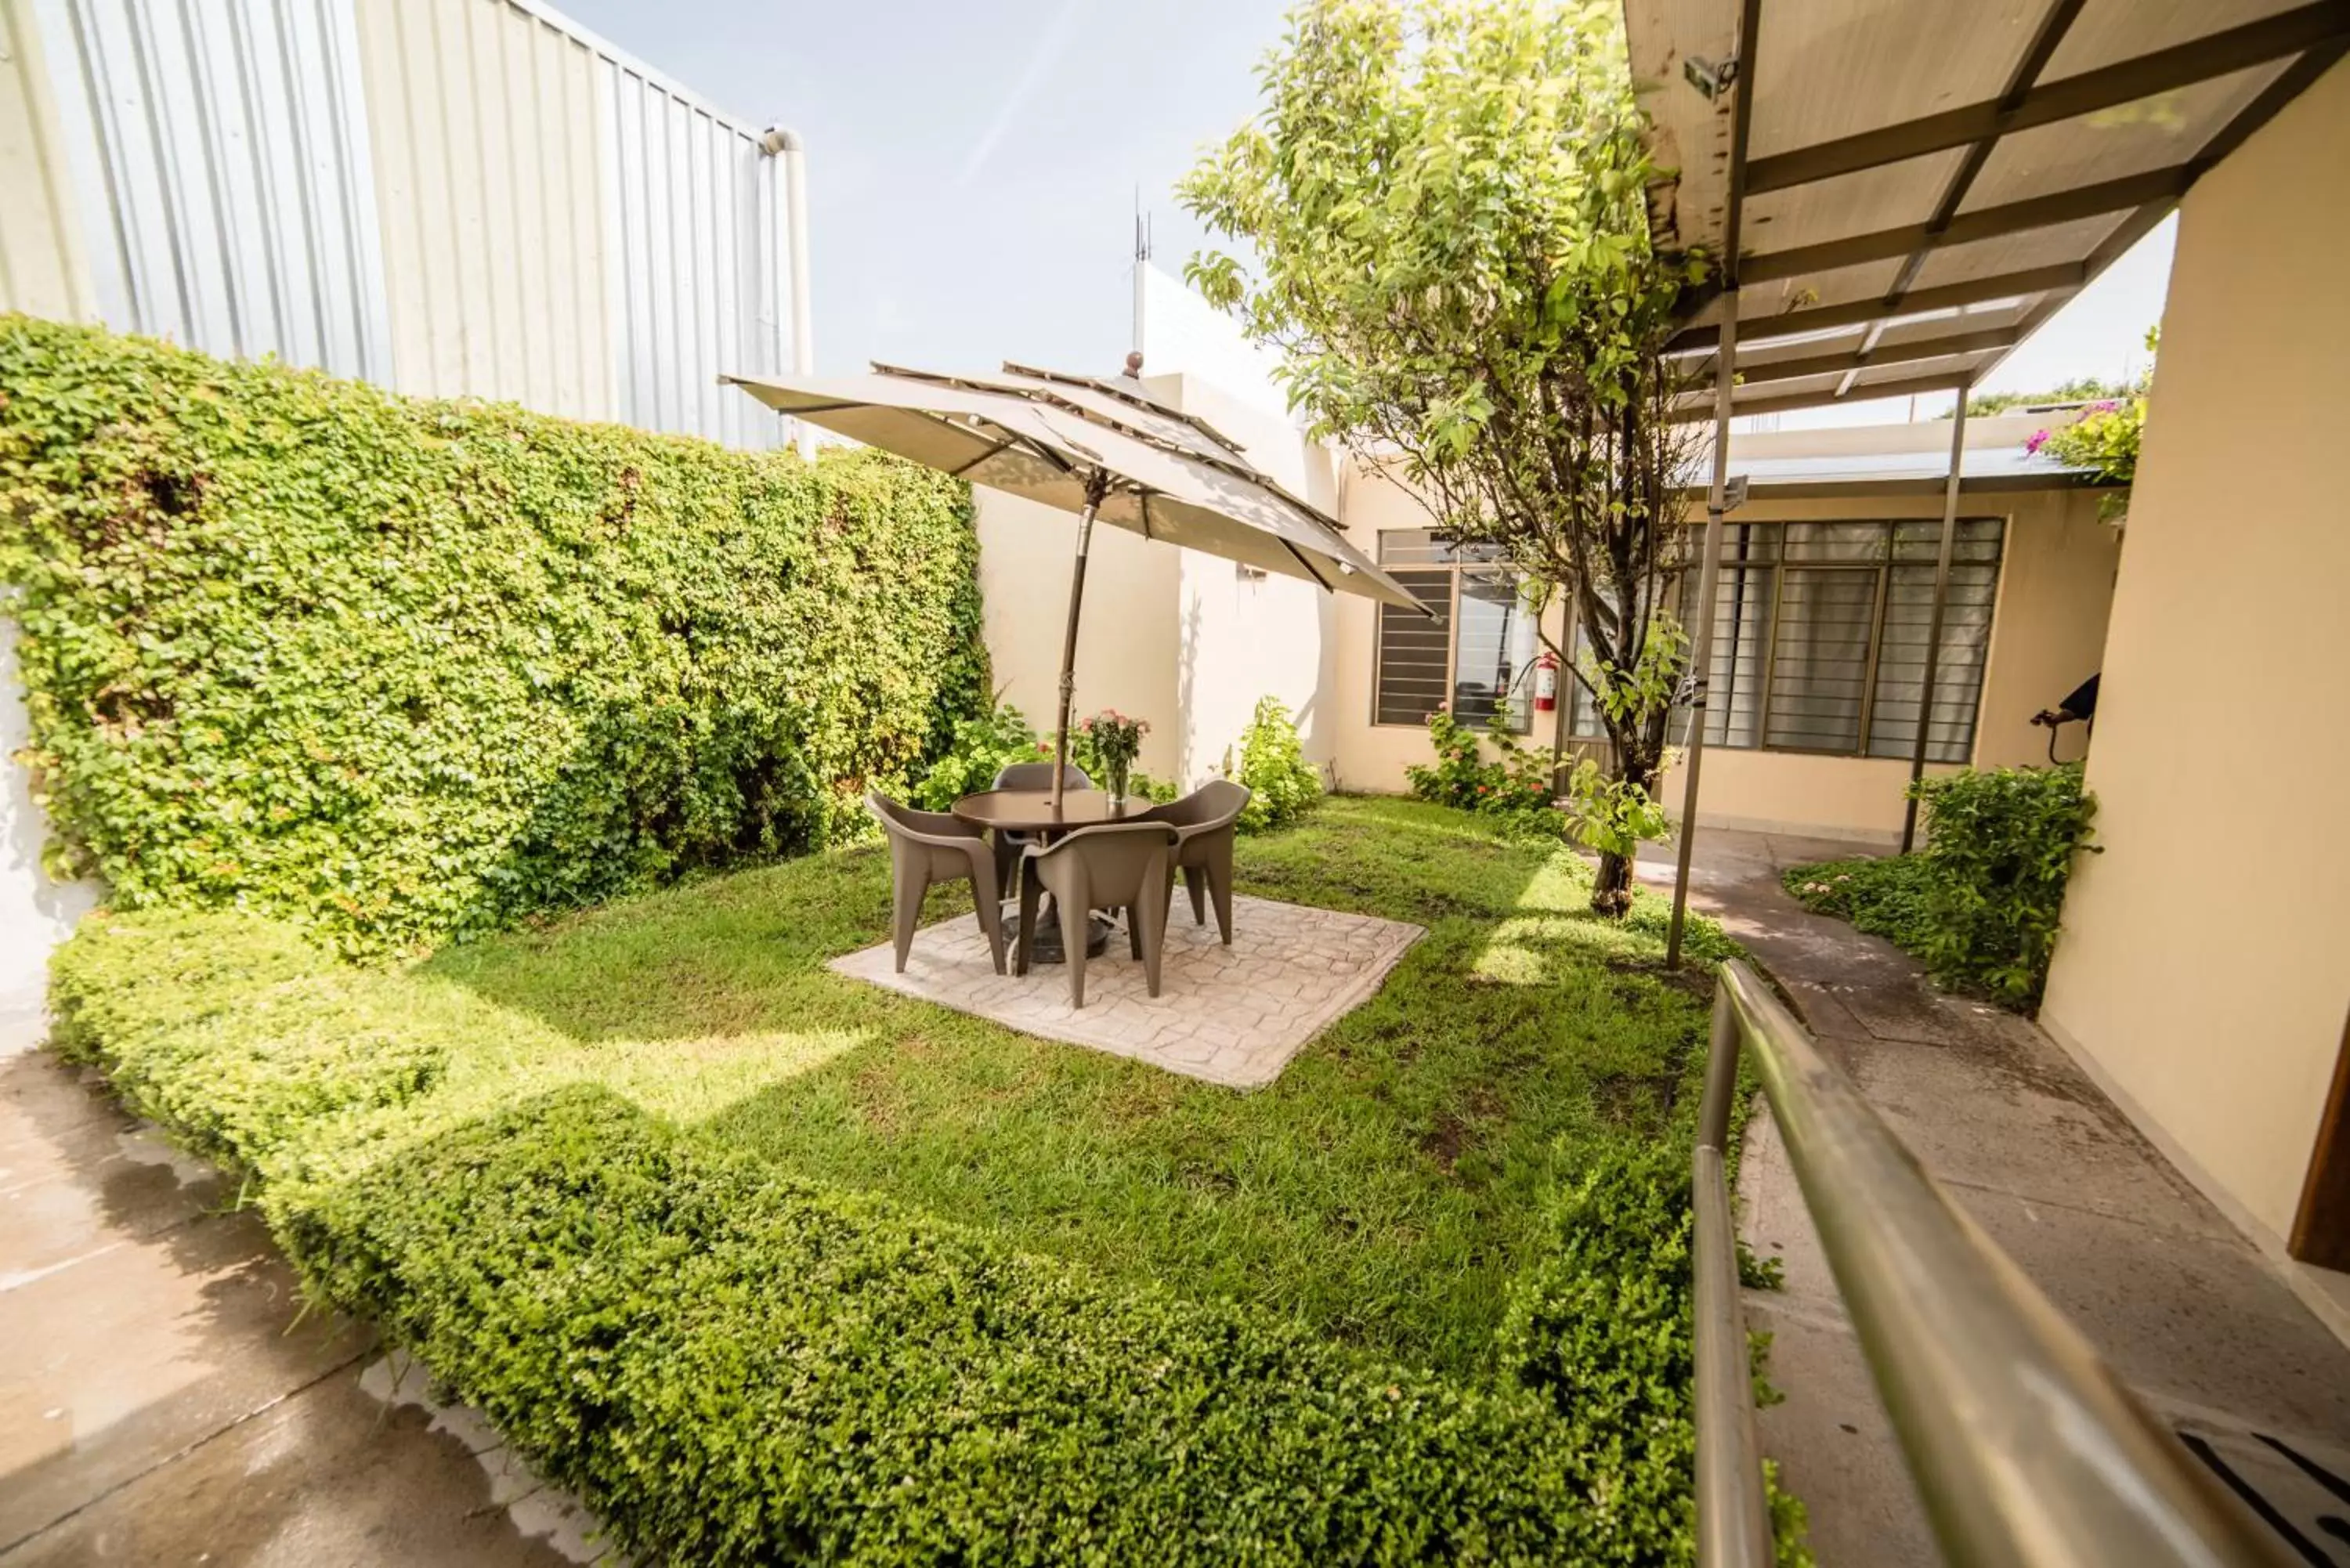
{"x":1241,"y":636}
{"x":1127,"y":640}
{"x":35,"y":912}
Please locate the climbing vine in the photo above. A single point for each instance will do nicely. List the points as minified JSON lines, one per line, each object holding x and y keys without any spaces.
{"x":405,"y":670}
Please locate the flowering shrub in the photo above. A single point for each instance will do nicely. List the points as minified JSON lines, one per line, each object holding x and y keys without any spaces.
{"x":2104,"y":440}
{"x":1515,"y":786}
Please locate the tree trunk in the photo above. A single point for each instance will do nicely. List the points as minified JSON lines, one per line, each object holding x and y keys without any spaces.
{"x":1611,"y":891}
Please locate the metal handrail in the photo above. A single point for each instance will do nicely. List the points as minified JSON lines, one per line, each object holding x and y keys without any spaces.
{"x":2026,"y":1448}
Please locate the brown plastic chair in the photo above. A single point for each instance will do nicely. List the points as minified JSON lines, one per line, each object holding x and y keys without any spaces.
{"x":1008,"y":843}
{"x":926,"y":848}
{"x":1118,"y":866}
{"x":1204,"y":822}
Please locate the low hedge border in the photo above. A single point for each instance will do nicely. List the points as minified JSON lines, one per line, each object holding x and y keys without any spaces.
{"x":735,"y":1366}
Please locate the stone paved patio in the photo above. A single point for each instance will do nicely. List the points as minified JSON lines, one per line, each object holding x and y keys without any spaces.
{"x":1230,"y":1015}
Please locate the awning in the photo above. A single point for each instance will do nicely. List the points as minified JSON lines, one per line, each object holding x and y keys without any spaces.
{"x":1911,"y":186}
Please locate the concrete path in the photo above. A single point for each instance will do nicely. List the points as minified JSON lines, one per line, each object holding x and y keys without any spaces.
{"x":2183,"y":1308}
{"x":164,"y":1399}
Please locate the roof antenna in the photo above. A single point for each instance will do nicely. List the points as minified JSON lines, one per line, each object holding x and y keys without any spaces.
{"x":1141,"y":265}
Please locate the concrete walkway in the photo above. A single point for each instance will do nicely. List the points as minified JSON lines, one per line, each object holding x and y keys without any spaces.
{"x":2187,"y":1311}
{"x":164,"y":1399}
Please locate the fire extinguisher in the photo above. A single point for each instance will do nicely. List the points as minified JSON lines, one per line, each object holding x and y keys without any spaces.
{"x":1546,"y":682}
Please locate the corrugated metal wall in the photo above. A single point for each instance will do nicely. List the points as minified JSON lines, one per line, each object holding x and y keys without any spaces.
{"x":42,"y":268}
{"x":218,"y":153}
{"x":490,"y":172}
{"x":445,"y":196}
{"x":701,"y":290}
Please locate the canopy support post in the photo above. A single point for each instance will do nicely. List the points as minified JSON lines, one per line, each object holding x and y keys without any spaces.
{"x":1708,"y":574}
{"x":1096,"y":487}
{"x":1934,"y":620}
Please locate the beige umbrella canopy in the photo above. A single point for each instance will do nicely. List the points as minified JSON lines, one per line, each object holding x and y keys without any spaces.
{"x":1104,"y":449}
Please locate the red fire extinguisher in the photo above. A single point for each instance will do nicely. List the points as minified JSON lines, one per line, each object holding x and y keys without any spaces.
{"x":1546,"y":682}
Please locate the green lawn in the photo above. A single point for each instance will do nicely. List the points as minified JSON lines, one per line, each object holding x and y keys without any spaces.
{"x":1384,"y":1192}
{"x":768,"y":1263}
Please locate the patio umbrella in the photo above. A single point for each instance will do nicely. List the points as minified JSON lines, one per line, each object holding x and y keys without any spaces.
{"x":1102,"y":448}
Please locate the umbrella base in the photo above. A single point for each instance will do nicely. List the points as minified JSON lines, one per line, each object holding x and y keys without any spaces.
{"x":1048,"y":948}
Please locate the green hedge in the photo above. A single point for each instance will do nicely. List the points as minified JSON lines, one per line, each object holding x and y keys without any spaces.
{"x":733,"y":1366}
{"x":1980,"y":904}
{"x":405,"y":670}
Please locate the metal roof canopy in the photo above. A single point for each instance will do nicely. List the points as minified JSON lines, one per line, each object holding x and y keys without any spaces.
{"x":1903,"y":189}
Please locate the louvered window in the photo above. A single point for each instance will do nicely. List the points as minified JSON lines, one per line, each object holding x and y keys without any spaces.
{"x":1820,"y":632}
{"x":1472,"y":650}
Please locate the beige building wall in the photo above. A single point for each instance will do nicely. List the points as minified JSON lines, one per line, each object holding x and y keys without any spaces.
{"x":1366,"y":755}
{"x":2055,"y":585}
{"x":489,"y":186}
{"x":43,"y":271}
{"x":1127,"y":641}
{"x":2204,"y":969}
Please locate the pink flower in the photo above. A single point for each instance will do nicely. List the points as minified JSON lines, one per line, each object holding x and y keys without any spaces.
{"x":2034,"y":442}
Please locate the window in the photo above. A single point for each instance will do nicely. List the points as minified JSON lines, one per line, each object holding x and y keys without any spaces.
{"x":1474,"y":650}
{"x":1820,"y":632}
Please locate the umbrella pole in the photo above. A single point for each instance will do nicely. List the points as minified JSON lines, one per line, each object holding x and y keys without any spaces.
{"x":1096,"y":487}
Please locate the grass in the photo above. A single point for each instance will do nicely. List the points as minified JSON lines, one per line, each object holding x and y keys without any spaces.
{"x":767,"y":1263}
{"x":1383,"y":1192}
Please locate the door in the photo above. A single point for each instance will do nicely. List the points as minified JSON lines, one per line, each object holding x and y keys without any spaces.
{"x":2321,"y":1231}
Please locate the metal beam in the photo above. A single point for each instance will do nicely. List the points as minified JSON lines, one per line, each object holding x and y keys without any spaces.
{"x":1725,"y":383}
{"x":2064,"y":276}
{"x":1984,"y":223}
{"x":2046,"y":39}
{"x":2288,"y":86}
{"x":2126,"y":81}
{"x":1753,"y":374}
{"x":1742,"y":120}
{"x":1745,"y":406}
{"x":1934,"y":619}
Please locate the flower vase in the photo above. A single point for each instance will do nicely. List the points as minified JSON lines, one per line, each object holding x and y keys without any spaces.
{"x":1116,"y":782}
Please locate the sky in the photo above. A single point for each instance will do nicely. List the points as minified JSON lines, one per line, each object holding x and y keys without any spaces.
{"x":974,"y":167}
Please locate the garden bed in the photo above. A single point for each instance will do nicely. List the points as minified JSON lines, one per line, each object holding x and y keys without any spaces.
{"x":768,"y":1264}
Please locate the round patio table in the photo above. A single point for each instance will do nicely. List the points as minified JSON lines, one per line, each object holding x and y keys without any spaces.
{"x":1030,"y":812}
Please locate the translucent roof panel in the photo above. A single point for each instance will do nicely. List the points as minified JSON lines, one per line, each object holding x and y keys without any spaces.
{"x":1872,"y":163}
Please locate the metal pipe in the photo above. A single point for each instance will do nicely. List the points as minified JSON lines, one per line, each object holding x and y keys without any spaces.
{"x":787,"y":144}
{"x":2026,"y":1449}
{"x":1934,"y":619}
{"x":1096,"y":487}
{"x":1725,"y":381}
{"x":1733,"y":1520}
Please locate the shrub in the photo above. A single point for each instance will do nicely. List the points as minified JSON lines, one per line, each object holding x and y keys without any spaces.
{"x":1601,"y":1327}
{"x":1980,"y":904}
{"x":1515,"y":787}
{"x":984,"y":746}
{"x":981,"y":747}
{"x":405,"y":669}
{"x":736,"y":1366}
{"x":1284,"y":786}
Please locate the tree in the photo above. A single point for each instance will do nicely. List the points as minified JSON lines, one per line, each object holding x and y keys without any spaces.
{"x":1444,"y":200}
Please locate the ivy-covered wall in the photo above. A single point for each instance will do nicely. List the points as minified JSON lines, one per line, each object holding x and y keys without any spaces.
{"x":404,"y":670}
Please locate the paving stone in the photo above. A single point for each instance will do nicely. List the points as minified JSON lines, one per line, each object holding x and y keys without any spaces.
{"x":1230,"y":1015}
{"x":135,"y":1352}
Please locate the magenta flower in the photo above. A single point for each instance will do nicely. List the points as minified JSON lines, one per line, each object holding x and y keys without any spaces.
{"x":2034,"y":442}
